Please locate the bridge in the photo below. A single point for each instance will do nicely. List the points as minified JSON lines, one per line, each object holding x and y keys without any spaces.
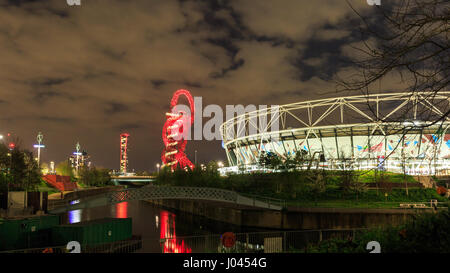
{"x":170,"y":192}
{"x":117,"y":180}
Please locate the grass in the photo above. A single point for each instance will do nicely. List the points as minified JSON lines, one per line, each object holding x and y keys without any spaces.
{"x":81,"y":185}
{"x":369,"y":177}
{"x":300,"y":188}
{"x":44,"y":187}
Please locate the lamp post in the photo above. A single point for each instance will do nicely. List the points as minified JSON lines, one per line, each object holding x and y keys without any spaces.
{"x":39,"y":138}
{"x":11,"y":147}
{"x":77,"y":153}
{"x":157,"y":167}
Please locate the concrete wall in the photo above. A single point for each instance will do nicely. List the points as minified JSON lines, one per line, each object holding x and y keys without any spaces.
{"x":307,"y":218}
{"x":16,"y":200}
{"x":56,"y":203}
{"x":92,"y":191}
{"x":21,"y":203}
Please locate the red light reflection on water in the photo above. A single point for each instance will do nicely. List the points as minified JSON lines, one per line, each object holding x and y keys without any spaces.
{"x":122,"y":210}
{"x":167,"y":232}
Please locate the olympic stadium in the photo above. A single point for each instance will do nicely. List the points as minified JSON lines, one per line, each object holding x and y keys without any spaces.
{"x":397,"y":132}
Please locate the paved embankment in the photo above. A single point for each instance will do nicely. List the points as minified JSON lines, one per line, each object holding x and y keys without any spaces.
{"x":292,"y":218}
{"x":55,"y":199}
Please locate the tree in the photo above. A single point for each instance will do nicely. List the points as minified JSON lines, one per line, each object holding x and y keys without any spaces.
{"x":274,"y":161}
{"x":300,"y":158}
{"x":411,"y":40}
{"x":347,"y":176}
{"x":318,"y":185}
{"x":212,"y":169}
{"x":19,"y":170}
{"x":408,"y":38}
{"x":96,"y":177}
{"x":65,"y":168}
{"x":263,"y":160}
{"x":45,"y":168}
{"x":33,"y":172}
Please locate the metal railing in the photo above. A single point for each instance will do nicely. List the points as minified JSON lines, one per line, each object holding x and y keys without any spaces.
{"x":125,"y":246}
{"x":366,"y":205}
{"x":253,"y":242}
{"x":265,"y":242}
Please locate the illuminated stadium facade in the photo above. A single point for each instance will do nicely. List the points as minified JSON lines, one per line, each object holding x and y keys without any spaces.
{"x":397,"y":132}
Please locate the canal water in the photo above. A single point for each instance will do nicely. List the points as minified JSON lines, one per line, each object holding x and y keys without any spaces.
{"x":154,"y":223}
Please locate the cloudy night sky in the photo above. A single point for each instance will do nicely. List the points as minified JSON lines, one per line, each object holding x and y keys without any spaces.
{"x":87,"y":73}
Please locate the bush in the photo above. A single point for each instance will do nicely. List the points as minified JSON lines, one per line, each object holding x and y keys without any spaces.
{"x":427,"y":233}
{"x":94,"y":177}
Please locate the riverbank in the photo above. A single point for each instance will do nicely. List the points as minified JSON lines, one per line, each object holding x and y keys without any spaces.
{"x":293,"y":218}
{"x":56,"y":200}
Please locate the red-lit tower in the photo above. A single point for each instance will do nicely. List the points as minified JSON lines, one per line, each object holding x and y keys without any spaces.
{"x":124,"y":152}
{"x":173,"y":133}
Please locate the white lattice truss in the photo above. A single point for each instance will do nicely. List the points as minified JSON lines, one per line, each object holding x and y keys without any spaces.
{"x":171,"y":192}
{"x":370,"y":115}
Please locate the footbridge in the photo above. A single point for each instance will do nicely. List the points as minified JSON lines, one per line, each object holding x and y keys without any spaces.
{"x":117,"y":180}
{"x":169,"y":192}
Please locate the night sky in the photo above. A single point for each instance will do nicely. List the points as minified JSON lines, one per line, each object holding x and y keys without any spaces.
{"x":87,"y":73}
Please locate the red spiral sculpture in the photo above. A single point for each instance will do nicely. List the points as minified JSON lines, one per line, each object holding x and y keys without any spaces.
{"x":173,"y":154}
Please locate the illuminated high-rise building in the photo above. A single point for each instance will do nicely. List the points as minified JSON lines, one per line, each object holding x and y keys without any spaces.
{"x":79,"y":159}
{"x":124,"y":152}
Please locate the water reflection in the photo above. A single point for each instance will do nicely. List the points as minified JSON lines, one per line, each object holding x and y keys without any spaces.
{"x":168,"y":236}
{"x":75,"y":216}
{"x":155,"y":224}
{"x":122,"y":210}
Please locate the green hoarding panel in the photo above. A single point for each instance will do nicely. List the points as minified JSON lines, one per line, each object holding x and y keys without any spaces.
{"x":29,"y":232}
{"x":94,"y":232}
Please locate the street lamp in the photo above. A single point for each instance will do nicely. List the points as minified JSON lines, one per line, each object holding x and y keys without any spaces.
{"x":39,"y":138}
{"x":77,"y":153}
{"x":220,"y":164}
{"x":11,"y":148}
{"x":157,"y":167}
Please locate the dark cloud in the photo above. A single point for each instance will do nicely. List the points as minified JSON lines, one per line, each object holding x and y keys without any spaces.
{"x":55,"y":119}
{"x":128,"y":126}
{"x":157,"y":83}
{"x":42,"y":96}
{"x":116,"y":108}
{"x":234,"y":66}
{"x":193,"y":84}
{"x":117,"y":56}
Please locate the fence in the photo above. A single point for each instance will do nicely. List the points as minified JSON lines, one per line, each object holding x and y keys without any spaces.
{"x":368,"y":205}
{"x":254,"y":242}
{"x":125,"y":246}
{"x":263,"y":242}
